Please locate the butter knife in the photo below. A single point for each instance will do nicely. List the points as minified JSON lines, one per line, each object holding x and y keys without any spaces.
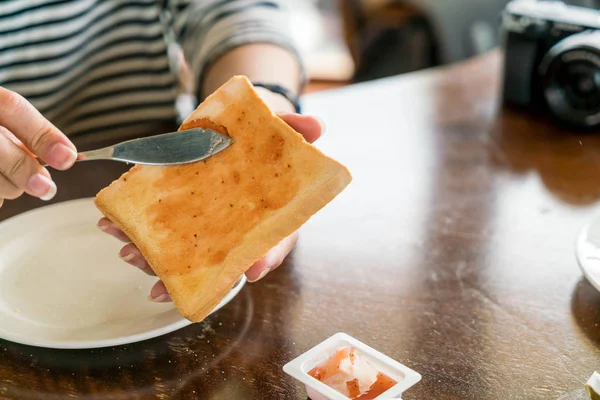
{"x":179,"y":147}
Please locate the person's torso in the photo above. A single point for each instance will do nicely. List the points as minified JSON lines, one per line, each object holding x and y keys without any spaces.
{"x":88,"y":65}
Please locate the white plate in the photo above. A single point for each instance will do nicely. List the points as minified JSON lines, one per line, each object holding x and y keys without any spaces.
{"x":62,"y":284}
{"x":587,"y":250}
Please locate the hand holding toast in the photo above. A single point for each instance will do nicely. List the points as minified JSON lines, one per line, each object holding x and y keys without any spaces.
{"x":23,"y":133}
{"x":311,"y":129}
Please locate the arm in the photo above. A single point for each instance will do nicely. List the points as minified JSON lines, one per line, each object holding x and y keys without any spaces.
{"x":221,"y":39}
{"x":260,"y":63}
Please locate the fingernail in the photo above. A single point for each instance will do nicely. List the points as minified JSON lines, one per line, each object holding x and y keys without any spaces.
{"x":103,"y":226}
{"x":262,"y":275}
{"x":322,"y":123}
{"x":127,"y":257}
{"x":163,"y":298}
{"x":41,"y":186}
{"x":61,"y":156}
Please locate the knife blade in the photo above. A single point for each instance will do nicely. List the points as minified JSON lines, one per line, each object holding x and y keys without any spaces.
{"x":179,"y":147}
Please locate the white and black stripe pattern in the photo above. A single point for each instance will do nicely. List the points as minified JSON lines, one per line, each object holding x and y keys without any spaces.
{"x":95,"y":66}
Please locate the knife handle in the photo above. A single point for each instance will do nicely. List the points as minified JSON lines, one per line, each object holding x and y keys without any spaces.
{"x":105,"y":153}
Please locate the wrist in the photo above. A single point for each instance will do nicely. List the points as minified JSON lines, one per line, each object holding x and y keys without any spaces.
{"x":278,"y":99}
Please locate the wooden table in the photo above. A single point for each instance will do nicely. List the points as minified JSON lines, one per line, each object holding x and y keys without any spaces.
{"x":451,"y":251}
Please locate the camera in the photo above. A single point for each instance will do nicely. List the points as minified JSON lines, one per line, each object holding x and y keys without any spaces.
{"x":552,"y":60}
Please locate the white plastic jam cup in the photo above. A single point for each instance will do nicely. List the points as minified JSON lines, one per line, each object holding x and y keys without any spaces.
{"x":299,"y":368}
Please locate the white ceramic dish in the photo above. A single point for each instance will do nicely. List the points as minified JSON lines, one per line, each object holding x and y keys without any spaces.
{"x":587,"y":250}
{"x":62,"y":284}
{"x":316,"y":390}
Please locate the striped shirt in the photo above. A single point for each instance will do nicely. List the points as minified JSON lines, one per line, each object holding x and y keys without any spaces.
{"x":95,"y":66}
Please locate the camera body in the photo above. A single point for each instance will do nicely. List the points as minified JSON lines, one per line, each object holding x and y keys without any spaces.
{"x":552,"y":60}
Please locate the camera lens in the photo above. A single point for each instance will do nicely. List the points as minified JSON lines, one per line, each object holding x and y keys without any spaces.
{"x":585,"y":85}
{"x":582,"y":85}
{"x":571,"y":79}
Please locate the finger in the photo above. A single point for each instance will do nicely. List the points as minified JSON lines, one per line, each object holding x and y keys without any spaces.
{"x":273,"y":259}
{"x":16,"y":141}
{"x":8,"y":190}
{"x":159,"y":293}
{"x":310,"y":127}
{"x":23,"y":171}
{"x":105,"y":225}
{"x":1,"y":202}
{"x":35,"y":131}
{"x":131,"y":255}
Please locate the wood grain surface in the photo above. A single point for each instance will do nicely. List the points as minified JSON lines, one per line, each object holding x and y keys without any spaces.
{"x":452,"y":251}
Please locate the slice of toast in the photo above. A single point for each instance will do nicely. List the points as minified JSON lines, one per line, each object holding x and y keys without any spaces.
{"x":200,"y":226}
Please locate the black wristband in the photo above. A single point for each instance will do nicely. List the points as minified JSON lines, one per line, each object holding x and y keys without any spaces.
{"x":278,"y":89}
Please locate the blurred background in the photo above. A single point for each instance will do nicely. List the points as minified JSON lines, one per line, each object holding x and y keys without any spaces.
{"x":348,"y":41}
